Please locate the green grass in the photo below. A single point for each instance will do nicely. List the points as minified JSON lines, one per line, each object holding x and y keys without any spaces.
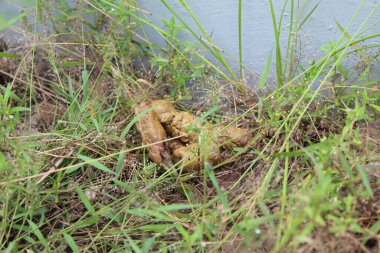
{"x":75,"y":176}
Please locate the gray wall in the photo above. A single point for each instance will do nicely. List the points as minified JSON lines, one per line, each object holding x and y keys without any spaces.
{"x":220,"y":17}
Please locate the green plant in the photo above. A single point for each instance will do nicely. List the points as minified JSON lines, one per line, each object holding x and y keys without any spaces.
{"x":9,"y":113}
{"x":175,"y":68}
{"x":85,"y":183}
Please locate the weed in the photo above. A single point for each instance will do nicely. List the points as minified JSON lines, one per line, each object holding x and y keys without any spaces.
{"x":75,"y":176}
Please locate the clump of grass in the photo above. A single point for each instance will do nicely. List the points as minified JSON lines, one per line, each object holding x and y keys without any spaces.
{"x":75,"y":175}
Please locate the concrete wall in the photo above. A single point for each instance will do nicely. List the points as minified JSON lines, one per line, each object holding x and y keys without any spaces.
{"x":220,"y":18}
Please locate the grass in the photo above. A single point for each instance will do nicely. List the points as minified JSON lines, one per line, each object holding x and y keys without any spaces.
{"x":75,"y":176}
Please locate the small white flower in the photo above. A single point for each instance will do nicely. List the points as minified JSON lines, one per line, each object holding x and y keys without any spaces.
{"x":258,"y":231}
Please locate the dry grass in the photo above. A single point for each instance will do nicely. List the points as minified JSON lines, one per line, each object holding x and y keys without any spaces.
{"x":307,"y":182}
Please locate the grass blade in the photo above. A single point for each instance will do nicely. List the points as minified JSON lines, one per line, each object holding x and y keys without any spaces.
{"x":126,"y":186}
{"x":365,"y":179}
{"x":276,"y":31}
{"x":176,"y":207}
{"x":221,"y":194}
{"x":150,"y":213}
{"x":10,"y":247}
{"x":308,"y":15}
{"x":120,"y":161}
{"x":240,"y":40}
{"x":70,"y":241}
{"x":8,"y":55}
{"x":133,"y":244}
{"x":39,"y":235}
{"x":148,"y":244}
{"x":264,"y":74}
{"x":96,"y":164}
{"x":12,"y":21}
{"x":85,"y":200}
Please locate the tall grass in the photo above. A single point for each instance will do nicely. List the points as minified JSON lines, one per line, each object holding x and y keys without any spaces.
{"x":240,"y":38}
{"x":86,"y":184}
